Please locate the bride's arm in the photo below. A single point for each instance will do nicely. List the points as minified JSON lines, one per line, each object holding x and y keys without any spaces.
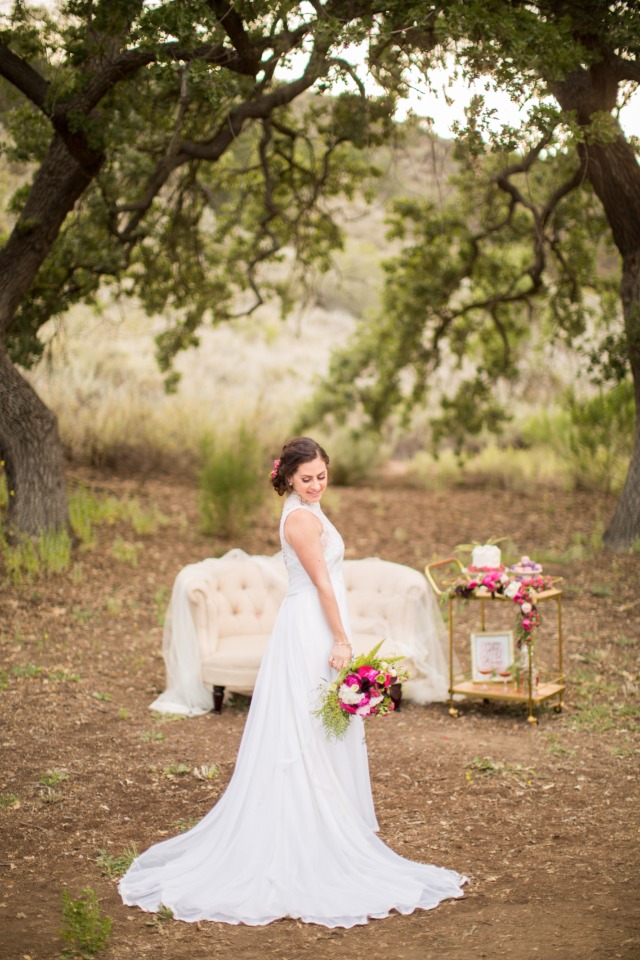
{"x":303,"y":531}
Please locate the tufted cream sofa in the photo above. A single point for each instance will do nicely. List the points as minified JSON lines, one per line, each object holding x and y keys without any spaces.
{"x":233,"y":602}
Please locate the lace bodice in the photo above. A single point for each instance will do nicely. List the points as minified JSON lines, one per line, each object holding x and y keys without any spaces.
{"x":332,"y":544}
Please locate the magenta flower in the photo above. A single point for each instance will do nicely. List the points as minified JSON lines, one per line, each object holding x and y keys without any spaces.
{"x":368,"y":673}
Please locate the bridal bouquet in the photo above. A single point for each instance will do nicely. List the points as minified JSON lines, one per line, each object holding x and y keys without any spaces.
{"x":363,"y":689}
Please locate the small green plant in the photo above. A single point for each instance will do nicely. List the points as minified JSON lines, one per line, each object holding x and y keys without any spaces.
{"x":114,"y":866}
{"x":183,"y":825}
{"x":158,"y":717}
{"x":50,"y":795}
{"x":113,"y":606}
{"x":125,"y":551}
{"x":556,"y":748}
{"x":83,"y":927}
{"x":123,"y":713}
{"x":161,"y":916}
{"x":144,"y":522}
{"x":52,"y":777}
{"x":160,"y":601}
{"x":8,"y":799}
{"x":28,"y":670}
{"x":206,"y":771}
{"x":155,"y":735}
{"x":231,"y":481}
{"x":624,"y":751}
{"x":83,"y":614}
{"x":176,"y":770}
{"x":239,"y":701}
{"x":629,"y":641}
{"x":106,"y":697}
{"x":601,"y":590}
{"x":491,"y":768}
{"x":62,"y":675}
{"x":4,"y":678}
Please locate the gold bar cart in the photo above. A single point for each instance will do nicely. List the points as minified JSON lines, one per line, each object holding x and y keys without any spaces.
{"x":533,"y":694}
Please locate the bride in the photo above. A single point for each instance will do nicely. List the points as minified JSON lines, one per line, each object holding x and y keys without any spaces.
{"x":294,"y":835}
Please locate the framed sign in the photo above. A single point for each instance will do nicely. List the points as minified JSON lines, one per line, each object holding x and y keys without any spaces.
{"x":491,"y":656}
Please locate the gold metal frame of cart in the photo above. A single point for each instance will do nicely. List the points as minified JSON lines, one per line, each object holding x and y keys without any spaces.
{"x":462,"y":686}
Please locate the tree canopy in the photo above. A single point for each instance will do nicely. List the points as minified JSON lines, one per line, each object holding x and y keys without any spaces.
{"x":165,"y":158}
{"x":519,"y":248}
{"x":169,"y":156}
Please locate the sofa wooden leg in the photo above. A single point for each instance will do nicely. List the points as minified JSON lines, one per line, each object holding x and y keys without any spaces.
{"x":395,"y":692}
{"x":218,"y":697}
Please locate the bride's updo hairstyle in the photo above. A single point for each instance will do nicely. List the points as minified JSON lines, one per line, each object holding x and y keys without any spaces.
{"x":294,"y":453}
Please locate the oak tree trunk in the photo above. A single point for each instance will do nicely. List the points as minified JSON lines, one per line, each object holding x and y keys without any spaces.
{"x":614,"y":173}
{"x":32,"y":453}
{"x":29,"y":442}
{"x":624,"y":528}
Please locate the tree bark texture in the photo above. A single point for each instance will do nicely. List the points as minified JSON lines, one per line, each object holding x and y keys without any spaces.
{"x":614,"y":173}
{"x":32,"y":454}
{"x":624,"y":529}
{"x":57,"y":186}
{"x":29,"y":443}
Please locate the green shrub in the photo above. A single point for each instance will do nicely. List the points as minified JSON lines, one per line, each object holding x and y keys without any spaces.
{"x":355,"y":456}
{"x":84,"y":928}
{"x":592,"y":436}
{"x":231,"y":481}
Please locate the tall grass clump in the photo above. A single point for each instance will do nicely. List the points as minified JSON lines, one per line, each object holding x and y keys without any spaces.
{"x":25,"y":558}
{"x":231,"y":481}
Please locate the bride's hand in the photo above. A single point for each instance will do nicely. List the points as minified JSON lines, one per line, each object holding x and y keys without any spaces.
{"x":341,"y":655}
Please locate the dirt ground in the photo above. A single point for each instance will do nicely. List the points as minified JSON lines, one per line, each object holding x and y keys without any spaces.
{"x":542,"y":819}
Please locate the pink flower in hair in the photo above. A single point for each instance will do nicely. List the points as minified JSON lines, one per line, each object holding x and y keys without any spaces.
{"x":276,"y":464}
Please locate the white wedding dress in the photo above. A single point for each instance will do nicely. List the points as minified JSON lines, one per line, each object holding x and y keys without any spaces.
{"x":294,"y":833}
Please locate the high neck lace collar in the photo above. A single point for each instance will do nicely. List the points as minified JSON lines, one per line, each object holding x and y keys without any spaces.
{"x":296,"y":498}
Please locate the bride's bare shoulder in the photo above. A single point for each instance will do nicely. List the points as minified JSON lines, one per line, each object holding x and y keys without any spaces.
{"x":300,"y":524}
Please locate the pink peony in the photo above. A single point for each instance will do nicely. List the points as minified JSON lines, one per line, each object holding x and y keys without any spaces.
{"x":368,"y":673}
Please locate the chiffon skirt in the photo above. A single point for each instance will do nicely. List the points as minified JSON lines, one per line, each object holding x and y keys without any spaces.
{"x":294,"y":833}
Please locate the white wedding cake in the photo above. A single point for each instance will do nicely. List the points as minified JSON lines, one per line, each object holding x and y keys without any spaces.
{"x":486,"y":556}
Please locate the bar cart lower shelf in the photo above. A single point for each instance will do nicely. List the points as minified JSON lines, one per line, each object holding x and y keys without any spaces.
{"x":508,"y":691}
{"x":530,"y":691}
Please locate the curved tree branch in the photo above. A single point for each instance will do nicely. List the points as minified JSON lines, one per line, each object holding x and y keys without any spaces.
{"x":23,"y":77}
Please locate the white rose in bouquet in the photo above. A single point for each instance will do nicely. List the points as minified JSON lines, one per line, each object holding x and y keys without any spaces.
{"x":350,"y":694}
